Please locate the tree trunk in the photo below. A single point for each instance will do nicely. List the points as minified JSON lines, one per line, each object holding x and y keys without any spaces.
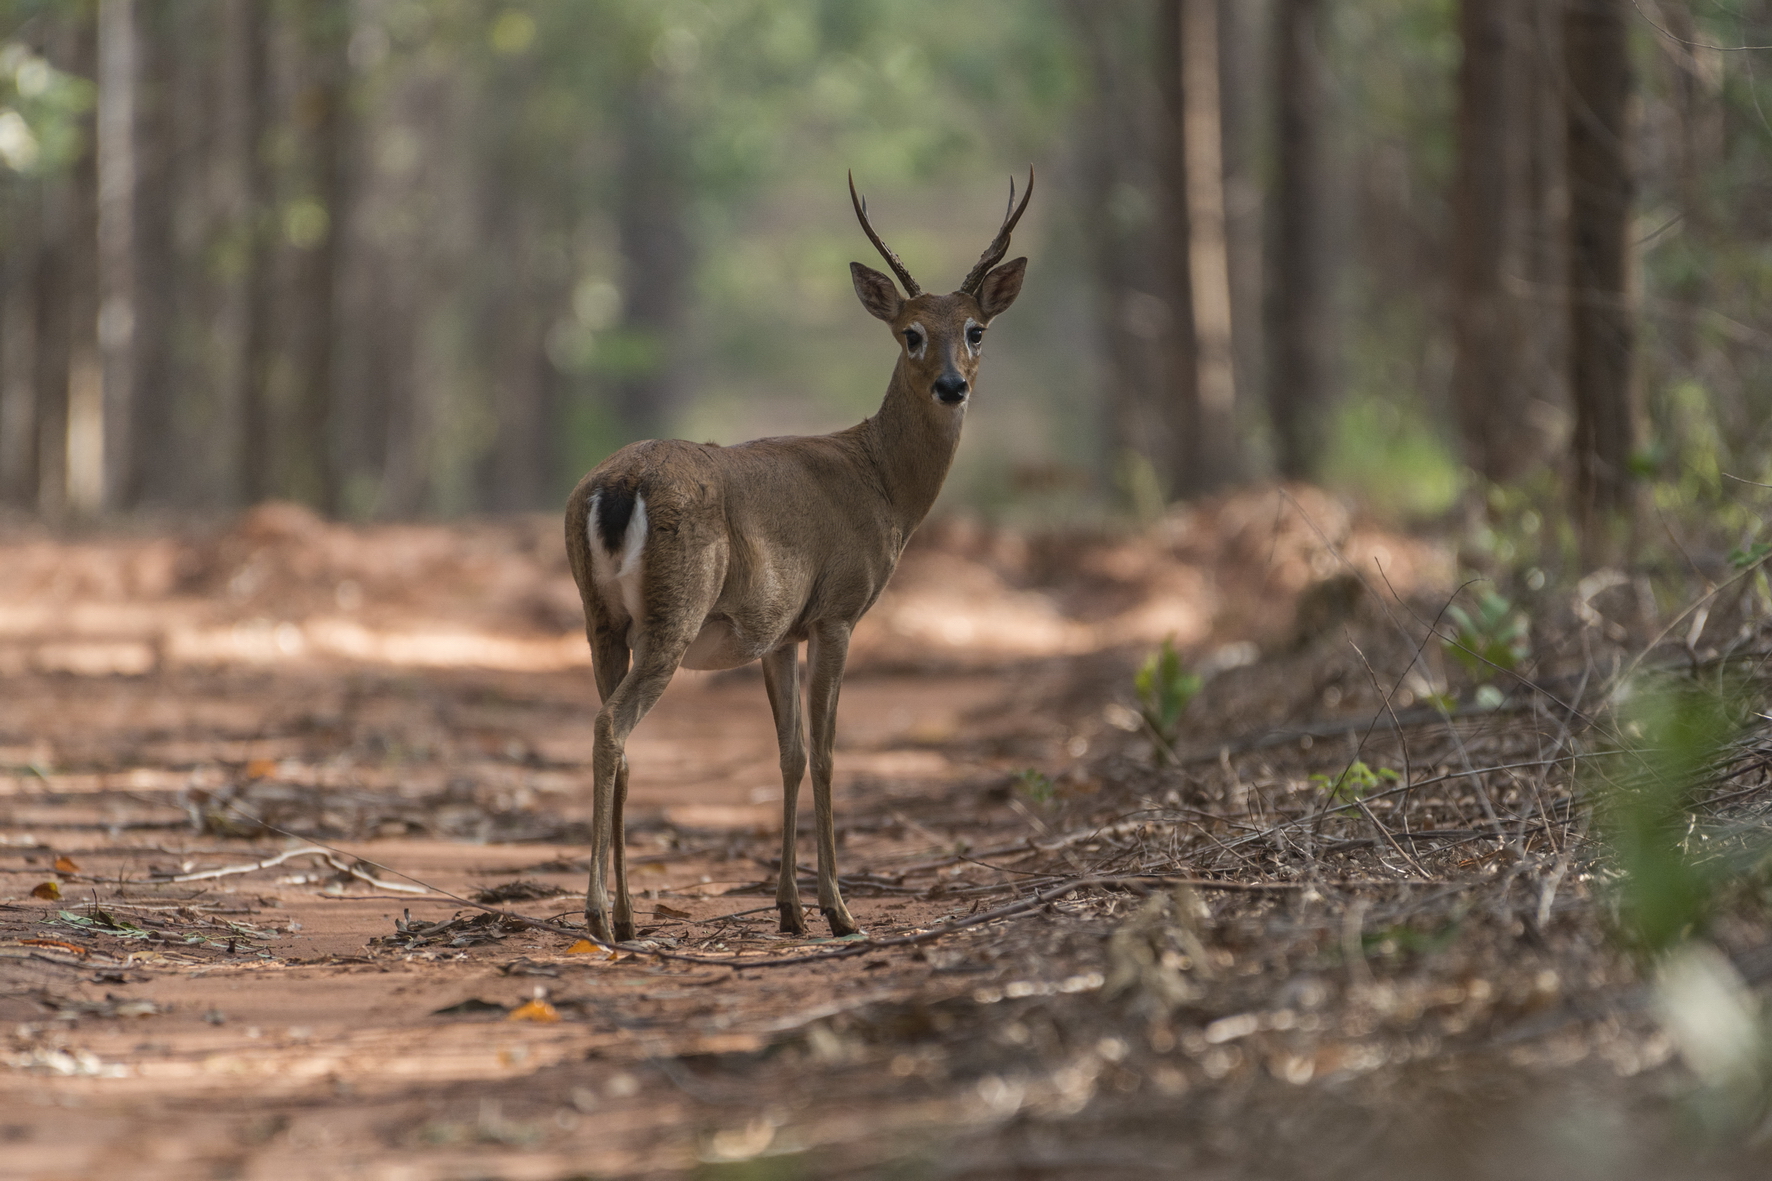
{"x":156,"y":468}
{"x":651,"y":219}
{"x":309,"y":471}
{"x":1302,"y":294}
{"x":1244,"y":27}
{"x":100,"y":462}
{"x":1179,"y":407}
{"x":1505,"y":345}
{"x":18,"y":351}
{"x":249,"y":85}
{"x":1601,"y":325}
{"x":1213,"y":459}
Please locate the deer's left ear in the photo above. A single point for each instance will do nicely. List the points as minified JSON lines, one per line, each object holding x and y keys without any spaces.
{"x":999,"y":288}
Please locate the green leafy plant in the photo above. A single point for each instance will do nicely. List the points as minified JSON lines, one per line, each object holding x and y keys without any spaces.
{"x":1749,"y":555}
{"x":1355,"y":783}
{"x":1494,"y":637}
{"x":1035,"y":786}
{"x":1164,"y":687}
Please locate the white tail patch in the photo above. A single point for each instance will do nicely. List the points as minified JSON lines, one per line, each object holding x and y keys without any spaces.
{"x":623,"y":568}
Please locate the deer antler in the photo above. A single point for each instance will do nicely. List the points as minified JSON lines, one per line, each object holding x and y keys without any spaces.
{"x":861,"y":211}
{"x":993,"y":254}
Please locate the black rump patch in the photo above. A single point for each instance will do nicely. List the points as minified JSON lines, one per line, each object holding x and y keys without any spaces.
{"x":615,"y":507}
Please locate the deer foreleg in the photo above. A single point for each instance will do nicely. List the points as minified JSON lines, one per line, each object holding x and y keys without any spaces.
{"x":826,"y":653}
{"x":781,"y":677}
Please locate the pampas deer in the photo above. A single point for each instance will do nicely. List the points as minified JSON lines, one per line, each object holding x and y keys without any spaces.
{"x":692,"y":555}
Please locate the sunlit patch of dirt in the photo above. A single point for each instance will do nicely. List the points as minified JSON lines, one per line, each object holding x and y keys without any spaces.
{"x":254,"y":781}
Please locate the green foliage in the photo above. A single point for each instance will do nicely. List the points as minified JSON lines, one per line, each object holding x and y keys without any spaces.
{"x":1677,"y":730}
{"x":1496,"y":637}
{"x":1749,"y":555}
{"x":1164,"y":687}
{"x":1382,"y":447}
{"x":1034,"y":786}
{"x":40,"y":110}
{"x":1355,"y":783}
{"x":1404,"y":940}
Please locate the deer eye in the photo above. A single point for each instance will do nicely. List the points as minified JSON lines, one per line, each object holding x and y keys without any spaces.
{"x":913,"y":340}
{"x":974,"y":335}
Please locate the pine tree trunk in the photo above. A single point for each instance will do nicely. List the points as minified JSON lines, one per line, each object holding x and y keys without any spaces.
{"x":1213,"y":459}
{"x":1505,"y":368}
{"x":1301,"y":288}
{"x":1601,"y":324}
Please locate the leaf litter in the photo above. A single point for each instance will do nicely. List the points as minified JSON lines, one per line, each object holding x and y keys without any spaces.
{"x":1331,"y":906}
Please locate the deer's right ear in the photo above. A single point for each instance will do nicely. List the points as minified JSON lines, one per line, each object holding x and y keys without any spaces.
{"x":877,"y":293}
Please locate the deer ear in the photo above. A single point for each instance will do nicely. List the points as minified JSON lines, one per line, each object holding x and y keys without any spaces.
{"x":877,"y":293}
{"x":998,"y":289}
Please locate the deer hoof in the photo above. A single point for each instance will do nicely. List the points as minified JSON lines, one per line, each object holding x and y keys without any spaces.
{"x":624,"y":930}
{"x":792,"y":921}
{"x":598,"y":922}
{"x":841,"y":923}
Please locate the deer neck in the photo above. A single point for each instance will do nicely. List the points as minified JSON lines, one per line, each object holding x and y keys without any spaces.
{"x":913,"y":441}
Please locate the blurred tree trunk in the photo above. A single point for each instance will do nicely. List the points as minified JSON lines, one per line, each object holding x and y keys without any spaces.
{"x":18,"y":349}
{"x":518,"y":473}
{"x":101,"y":458}
{"x":1247,"y":82}
{"x":156,"y":468}
{"x":1179,"y":405}
{"x":249,"y":89}
{"x":66,"y":281}
{"x":1505,"y":369}
{"x":323,"y":115}
{"x":1301,"y":328}
{"x":1213,"y":451}
{"x":651,"y":220}
{"x":1128,"y":141}
{"x":1596,"y":62}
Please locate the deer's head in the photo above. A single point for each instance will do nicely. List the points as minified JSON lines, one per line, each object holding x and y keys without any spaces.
{"x":942,"y":335}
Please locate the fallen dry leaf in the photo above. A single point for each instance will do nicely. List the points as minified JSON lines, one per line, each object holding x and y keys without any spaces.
{"x":65,"y":864}
{"x":668,"y":912}
{"x":48,"y":891}
{"x":537,"y":1010}
{"x":57,"y":944}
{"x":261,"y":768}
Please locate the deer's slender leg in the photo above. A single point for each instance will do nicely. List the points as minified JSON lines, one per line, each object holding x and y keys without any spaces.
{"x":623,"y":707}
{"x":781,"y":676}
{"x":826,"y":653}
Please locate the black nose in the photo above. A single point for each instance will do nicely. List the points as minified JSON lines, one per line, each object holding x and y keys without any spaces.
{"x":950,"y":388}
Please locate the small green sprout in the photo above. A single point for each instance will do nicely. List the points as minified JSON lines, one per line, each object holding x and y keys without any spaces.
{"x":1164,"y":688}
{"x":1749,"y":555}
{"x":1495,"y":637}
{"x":1355,"y":783}
{"x":1034,"y":786}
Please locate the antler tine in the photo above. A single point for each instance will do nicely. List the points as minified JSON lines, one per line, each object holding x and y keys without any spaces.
{"x":861,"y":212}
{"x":993,"y":254}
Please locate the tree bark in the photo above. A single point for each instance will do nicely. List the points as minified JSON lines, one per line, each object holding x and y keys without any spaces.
{"x":1179,"y":406}
{"x":651,"y":219}
{"x":1244,"y":28}
{"x":1601,"y":323}
{"x":105,"y":479}
{"x":1301,"y":312}
{"x":1505,"y":346}
{"x":309,"y":469}
{"x":1213,"y":452}
{"x":18,"y":352}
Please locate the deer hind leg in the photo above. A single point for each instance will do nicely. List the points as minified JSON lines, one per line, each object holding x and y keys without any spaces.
{"x":781,"y":677}
{"x":639,"y":691}
{"x":826,"y":653}
{"x":610,"y":658}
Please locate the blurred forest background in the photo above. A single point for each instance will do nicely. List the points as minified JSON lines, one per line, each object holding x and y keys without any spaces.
{"x":434,"y":257}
